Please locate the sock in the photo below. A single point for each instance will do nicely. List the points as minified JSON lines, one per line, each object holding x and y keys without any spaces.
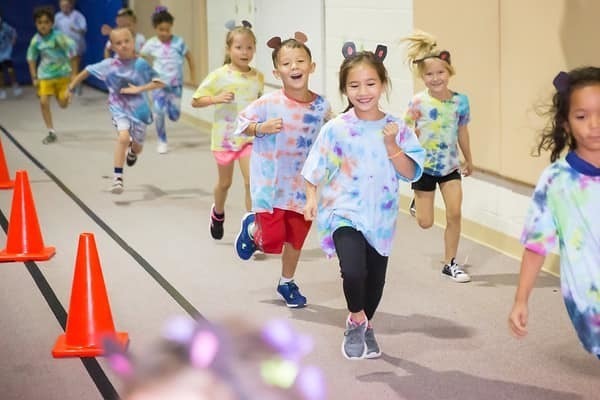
{"x":51,"y":130}
{"x":118,"y":172}
{"x":284,"y":280}
{"x":252,"y":230}
{"x":356,"y":322}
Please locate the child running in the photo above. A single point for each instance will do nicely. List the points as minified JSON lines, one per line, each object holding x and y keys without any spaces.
{"x":127,"y":78}
{"x":167,"y":52}
{"x":359,"y":157}
{"x":230,"y":88}
{"x":8,"y":38}
{"x":285,"y":124}
{"x":56,"y":53}
{"x":564,"y":208}
{"x":126,"y":18}
{"x":440,"y":117}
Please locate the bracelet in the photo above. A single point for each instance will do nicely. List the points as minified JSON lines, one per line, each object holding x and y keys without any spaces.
{"x":257,"y":132}
{"x":395,"y":154}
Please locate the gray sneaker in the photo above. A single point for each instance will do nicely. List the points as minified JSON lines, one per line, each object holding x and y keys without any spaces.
{"x":51,"y":138}
{"x":373,"y":350}
{"x":353,"y":346}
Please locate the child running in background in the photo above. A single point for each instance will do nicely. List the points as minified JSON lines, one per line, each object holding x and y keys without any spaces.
{"x":56,"y":53}
{"x":233,"y":360}
{"x":127,"y":77}
{"x":360,"y":156}
{"x":230,"y":88}
{"x":73,"y":24}
{"x":126,"y":18}
{"x":8,"y":38}
{"x":167,"y":52}
{"x":440,"y":117}
{"x":285,"y":124}
{"x":564,"y":208}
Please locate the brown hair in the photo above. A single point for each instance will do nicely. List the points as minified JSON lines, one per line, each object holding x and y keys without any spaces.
{"x":292,"y":44}
{"x":362,"y":57}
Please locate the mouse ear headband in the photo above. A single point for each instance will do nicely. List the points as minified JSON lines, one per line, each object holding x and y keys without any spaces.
{"x":443,"y":55}
{"x":275,"y":41}
{"x":561,"y":82}
{"x":349,"y":50}
{"x":231,"y":25}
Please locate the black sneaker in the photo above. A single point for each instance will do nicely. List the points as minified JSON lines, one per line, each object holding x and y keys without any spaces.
{"x":131,"y":157}
{"x":455,"y":272}
{"x":216,"y":224}
{"x":51,"y":138}
{"x":412,"y":209}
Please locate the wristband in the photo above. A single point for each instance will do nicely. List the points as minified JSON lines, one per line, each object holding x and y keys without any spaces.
{"x":395,"y":154}
{"x":257,"y":132}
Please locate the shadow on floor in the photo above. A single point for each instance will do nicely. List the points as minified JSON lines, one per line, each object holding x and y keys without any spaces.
{"x":496,"y":280}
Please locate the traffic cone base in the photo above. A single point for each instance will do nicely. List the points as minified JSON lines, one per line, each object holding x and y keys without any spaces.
{"x":45,"y":254}
{"x":7,"y":185}
{"x":62,"y":349}
{"x":5,"y":182}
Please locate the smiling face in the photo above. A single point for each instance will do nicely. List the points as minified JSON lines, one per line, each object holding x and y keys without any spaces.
{"x":294,"y":66}
{"x":363,"y":89}
{"x":121,"y":42}
{"x":436,"y":77}
{"x":584,"y":121}
{"x":241,"y":51}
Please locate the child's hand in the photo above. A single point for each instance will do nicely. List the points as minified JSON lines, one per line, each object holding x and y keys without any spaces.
{"x":224,"y":97}
{"x":132,"y":89}
{"x":273,"y":125}
{"x":68,"y":96}
{"x":517,"y":320}
{"x":105,"y":29}
{"x":36,"y":83}
{"x":390,"y":130}
{"x":467,"y":168}
{"x":310,"y":210}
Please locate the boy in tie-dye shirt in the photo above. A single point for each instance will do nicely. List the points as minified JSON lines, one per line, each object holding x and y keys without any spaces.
{"x":285,"y":124}
{"x":167,"y":52}
{"x":57,"y":62}
{"x":564,"y":208}
{"x":127,"y":78}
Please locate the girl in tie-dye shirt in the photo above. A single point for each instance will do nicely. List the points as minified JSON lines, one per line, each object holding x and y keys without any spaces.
{"x":439,"y":117}
{"x":167,"y":52}
{"x":564,"y":208}
{"x":230,"y":89}
{"x":359,"y":158}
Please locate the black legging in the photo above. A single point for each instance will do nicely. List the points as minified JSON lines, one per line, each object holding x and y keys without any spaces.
{"x":363,"y":270}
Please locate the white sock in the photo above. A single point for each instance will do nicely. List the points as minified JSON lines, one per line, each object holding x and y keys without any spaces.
{"x":283,"y":280}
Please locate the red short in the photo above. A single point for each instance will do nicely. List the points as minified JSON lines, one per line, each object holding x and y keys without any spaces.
{"x":279,"y":227}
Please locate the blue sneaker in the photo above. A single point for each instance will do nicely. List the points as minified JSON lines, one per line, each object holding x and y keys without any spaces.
{"x":244,"y":245}
{"x":291,"y":294}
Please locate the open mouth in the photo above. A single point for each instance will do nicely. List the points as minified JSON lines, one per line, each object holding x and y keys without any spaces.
{"x":296,"y":76}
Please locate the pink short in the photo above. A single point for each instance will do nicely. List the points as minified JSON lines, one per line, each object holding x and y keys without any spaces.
{"x":226,"y":157}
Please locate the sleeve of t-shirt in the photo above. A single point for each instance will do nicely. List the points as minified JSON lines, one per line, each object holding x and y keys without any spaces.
{"x":146,"y":49}
{"x":254,"y":112}
{"x":539,"y":232}
{"x":67,"y":44}
{"x":410,"y":145}
{"x":184,"y":47}
{"x":464,"y":111}
{"x":32,"y":51}
{"x":100,"y":69}
{"x":322,"y":160}
{"x":207,"y":87}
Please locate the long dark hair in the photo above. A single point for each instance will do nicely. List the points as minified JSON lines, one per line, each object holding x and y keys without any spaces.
{"x":555,"y":136}
{"x":362,"y":57}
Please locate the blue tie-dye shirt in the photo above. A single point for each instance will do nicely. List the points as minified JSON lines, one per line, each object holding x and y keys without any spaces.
{"x":119,"y":74}
{"x":167,"y":58}
{"x":564,"y":211}
{"x":7,"y":36}
{"x":360,"y":183}
{"x":276,"y":161}
{"x":438,"y":122}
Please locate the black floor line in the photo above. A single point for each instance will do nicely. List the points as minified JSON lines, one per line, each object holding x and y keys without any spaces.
{"x":165,"y":284}
{"x":105,"y":387}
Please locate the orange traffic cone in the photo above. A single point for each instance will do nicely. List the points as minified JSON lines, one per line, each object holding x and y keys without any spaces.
{"x":89,"y":321}
{"x":5,"y":182}
{"x":24,"y":240}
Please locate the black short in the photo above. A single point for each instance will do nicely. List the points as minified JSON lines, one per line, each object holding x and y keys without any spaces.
{"x":427,"y":182}
{"x":6,"y":64}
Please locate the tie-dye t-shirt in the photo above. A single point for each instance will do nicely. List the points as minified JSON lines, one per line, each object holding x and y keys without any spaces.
{"x":167,"y":57}
{"x":119,"y":74}
{"x":7,"y":35}
{"x":72,"y":25}
{"x":55,"y":51}
{"x":565,"y":211}
{"x":438,"y":123}
{"x":277,"y":159}
{"x":246,"y":88}
{"x":360,"y":183}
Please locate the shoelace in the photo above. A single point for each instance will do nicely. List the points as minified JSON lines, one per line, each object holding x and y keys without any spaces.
{"x":294,"y":290}
{"x":456,"y":270}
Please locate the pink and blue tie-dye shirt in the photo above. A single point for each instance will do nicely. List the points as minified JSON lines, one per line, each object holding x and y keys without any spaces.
{"x":438,"y":123}
{"x":360,"y":183}
{"x":168,"y":58}
{"x":55,"y":51}
{"x":246,"y":87}
{"x":565,"y":211}
{"x":277,"y":159}
{"x":119,"y":74}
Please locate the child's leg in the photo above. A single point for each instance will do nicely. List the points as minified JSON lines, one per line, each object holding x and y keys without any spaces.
{"x":225,"y":178}
{"x":123,"y":140}
{"x":376,"y":270}
{"x":424,"y":208}
{"x":159,"y":121}
{"x":452,"y":195}
{"x":61,"y":91}
{"x":245,"y":170}
{"x":289,"y":260}
{"x":46,"y":113}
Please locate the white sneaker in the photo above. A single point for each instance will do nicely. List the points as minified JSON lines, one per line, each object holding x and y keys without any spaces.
{"x":117,"y":186}
{"x":17,"y":91}
{"x":2,"y":94}
{"x":455,"y":272}
{"x":162,"y":147}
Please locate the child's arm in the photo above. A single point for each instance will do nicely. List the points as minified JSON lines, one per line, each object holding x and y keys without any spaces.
{"x":402,"y":163}
{"x":531,"y":264}
{"x":205,"y":101}
{"x":310,"y":209}
{"x":465,"y":148}
{"x":32,"y":72}
{"x":74,"y":66}
{"x":132,"y":89}
{"x":190,"y":60}
{"x":76,"y":80}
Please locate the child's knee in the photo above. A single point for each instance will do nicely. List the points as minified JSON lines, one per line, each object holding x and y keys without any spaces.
{"x":224,"y":184}
{"x":44,"y":101}
{"x":425,"y":222}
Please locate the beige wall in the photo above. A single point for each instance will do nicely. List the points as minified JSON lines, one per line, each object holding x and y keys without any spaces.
{"x":506,"y":55}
